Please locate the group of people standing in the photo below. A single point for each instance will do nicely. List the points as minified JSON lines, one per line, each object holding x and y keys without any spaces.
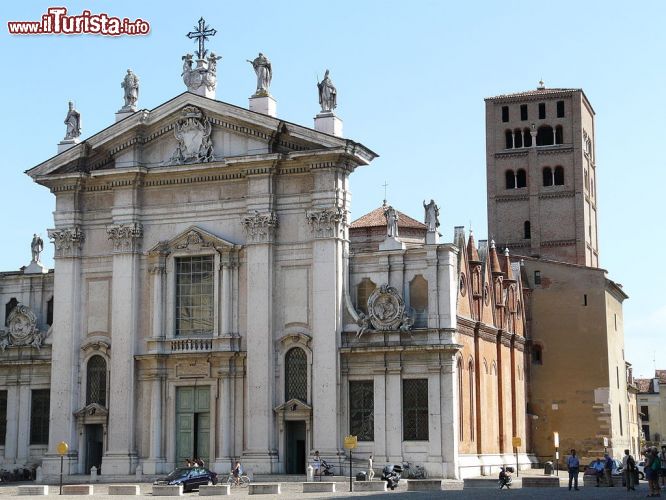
{"x":655,"y":470}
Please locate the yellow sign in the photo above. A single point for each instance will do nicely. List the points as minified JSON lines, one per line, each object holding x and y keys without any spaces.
{"x":350,"y":442}
{"x":517,"y":442}
{"x":62,"y":448}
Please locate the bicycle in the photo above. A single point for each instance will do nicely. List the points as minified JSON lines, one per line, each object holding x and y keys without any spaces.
{"x":414,"y":471}
{"x":243,"y":481}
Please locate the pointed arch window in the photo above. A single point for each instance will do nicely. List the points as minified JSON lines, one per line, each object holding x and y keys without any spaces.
{"x":558,"y":176}
{"x":521,"y":178}
{"x":461,"y":426}
{"x":96,"y":381}
{"x":363,"y":292}
{"x":527,"y":230}
{"x":547,"y":176}
{"x":510,"y":179}
{"x":296,"y":375}
{"x":472,"y":419}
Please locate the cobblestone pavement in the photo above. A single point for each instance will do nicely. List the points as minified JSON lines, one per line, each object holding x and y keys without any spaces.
{"x":293,"y":490}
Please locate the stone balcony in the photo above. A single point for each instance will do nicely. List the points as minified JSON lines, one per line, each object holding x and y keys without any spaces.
{"x":193,"y":345}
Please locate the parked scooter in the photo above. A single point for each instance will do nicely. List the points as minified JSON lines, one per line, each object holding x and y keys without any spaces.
{"x":391,"y":474}
{"x":505,"y":477}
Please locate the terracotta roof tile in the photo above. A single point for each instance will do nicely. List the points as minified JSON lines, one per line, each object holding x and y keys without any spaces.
{"x":534,"y":92}
{"x":643,"y":384}
{"x":661,"y":375}
{"x":376,"y":219}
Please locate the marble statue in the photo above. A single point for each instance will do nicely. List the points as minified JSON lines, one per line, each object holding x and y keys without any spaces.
{"x":36,"y":247}
{"x":431,"y":215}
{"x":263,"y":69}
{"x":73,"y":122}
{"x":187,"y":69}
{"x":328,"y":95}
{"x":391,"y":222}
{"x":131,"y":86}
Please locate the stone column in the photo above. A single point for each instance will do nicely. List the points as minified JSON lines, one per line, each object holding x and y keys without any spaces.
{"x":381,"y":436}
{"x":151,"y":466}
{"x":23,"y":441}
{"x":224,"y":428}
{"x":12,"y":431}
{"x":64,"y":398}
{"x":260,"y":452}
{"x":158,"y":272}
{"x":226,"y":309}
{"x":449,"y":414}
{"x":393,"y":409}
{"x":327,"y":226}
{"x":120,"y":457}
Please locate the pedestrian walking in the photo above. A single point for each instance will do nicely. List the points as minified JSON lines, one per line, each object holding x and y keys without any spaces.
{"x":371,"y":472}
{"x":652,"y":471}
{"x":608,"y":469}
{"x":629,"y":470}
{"x":573,"y":464}
{"x":662,"y":469}
{"x":316,"y":464}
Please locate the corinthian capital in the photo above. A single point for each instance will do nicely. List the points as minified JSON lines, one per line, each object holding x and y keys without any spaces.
{"x":260,"y":227}
{"x":67,"y":240}
{"x":126,"y":237}
{"x":328,"y":222}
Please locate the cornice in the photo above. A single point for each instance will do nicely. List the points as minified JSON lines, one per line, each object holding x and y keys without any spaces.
{"x":556,"y":194}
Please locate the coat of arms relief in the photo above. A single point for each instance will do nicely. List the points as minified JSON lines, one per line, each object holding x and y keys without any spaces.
{"x":386,"y":312}
{"x":192,"y":131}
{"x":22,"y":329}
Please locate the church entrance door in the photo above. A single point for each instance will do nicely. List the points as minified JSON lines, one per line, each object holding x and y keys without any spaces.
{"x":295,"y":435}
{"x":192,"y":424}
{"x":94,"y":447}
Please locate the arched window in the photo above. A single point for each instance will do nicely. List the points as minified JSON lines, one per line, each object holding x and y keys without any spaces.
{"x":461,"y":427}
{"x":472,"y":420}
{"x":527,"y":230}
{"x":510,"y":179}
{"x":363,"y":292}
{"x":559,"y":135}
{"x":547,"y":176}
{"x":517,"y":139}
{"x":49,"y":311}
{"x":528,"y":137}
{"x":508,"y":135}
{"x":9,"y":307}
{"x":418,"y":301}
{"x":96,"y":381}
{"x":521,"y":178}
{"x":619,"y":412}
{"x":545,"y":135}
{"x":587,"y":180}
{"x":296,"y":375}
{"x":558,"y":177}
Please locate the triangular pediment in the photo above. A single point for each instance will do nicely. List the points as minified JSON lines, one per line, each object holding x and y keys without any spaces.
{"x":151,"y":138}
{"x":293,"y":406}
{"x":92,"y":410}
{"x":194,"y":239}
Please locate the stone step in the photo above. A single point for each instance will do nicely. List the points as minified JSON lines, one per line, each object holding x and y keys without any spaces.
{"x":424,"y":485}
{"x":77,"y":489}
{"x":32,"y":490}
{"x":214,"y":490}
{"x":124,"y":489}
{"x":319,"y":487}
{"x":369,"y":486}
{"x":541,"y":482}
{"x":264,"y":489}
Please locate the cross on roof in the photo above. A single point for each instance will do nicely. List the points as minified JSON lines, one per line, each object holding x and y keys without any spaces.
{"x":201,"y":32}
{"x":385,"y":185}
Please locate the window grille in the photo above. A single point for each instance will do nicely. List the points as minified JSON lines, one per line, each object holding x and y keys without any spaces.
{"x":362,"y":410}
{"x":296,"y":375}
{"x":194,"y":295}
{"x":415,"y":409}
{"x":96,"y":381}
{"x":39,"y":416}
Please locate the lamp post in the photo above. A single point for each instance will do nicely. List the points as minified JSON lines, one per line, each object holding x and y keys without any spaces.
{"x":556,"y":443}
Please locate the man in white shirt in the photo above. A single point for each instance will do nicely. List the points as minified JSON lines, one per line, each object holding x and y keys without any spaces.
{"x":628,"y":470}
{"x":573,"y":464}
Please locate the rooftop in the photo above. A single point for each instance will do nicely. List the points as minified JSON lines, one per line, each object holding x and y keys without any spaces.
{"x":376,"y":219}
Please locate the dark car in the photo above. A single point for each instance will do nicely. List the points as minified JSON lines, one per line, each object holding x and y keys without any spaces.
{"x":190,"y":477}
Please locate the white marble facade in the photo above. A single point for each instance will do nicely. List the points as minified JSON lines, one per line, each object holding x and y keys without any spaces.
{"x":264,"y":205}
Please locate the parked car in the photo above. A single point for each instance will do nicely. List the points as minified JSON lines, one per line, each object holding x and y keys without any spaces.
{"x":190,"y":477}
{"x":641,"y":470}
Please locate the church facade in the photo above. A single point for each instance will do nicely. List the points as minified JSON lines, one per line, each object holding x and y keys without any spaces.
{"x":211,"y":299}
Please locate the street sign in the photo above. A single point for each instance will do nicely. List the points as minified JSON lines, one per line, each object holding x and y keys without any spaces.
{"x":556,"y":439}
{"x":350,"y":442}
{"x":517,"y":442}
{"x":62,"y":448}
{"x":605,"y":442}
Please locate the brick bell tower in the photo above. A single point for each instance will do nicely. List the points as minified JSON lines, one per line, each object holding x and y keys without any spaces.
{"x":541,"y":174}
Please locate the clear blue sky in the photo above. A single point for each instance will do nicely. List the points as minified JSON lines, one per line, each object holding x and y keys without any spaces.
{"x":411,"y":78}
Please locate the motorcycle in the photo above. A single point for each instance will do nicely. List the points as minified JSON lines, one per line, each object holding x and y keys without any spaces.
{"x":505,"y":477}
{"x":391,"y":474}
